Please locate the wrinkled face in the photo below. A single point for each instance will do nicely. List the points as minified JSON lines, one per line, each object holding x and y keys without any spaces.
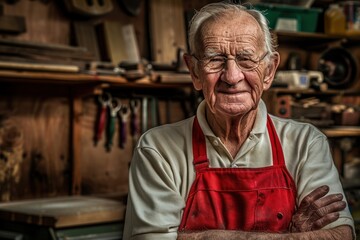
{"x":231,"y":91}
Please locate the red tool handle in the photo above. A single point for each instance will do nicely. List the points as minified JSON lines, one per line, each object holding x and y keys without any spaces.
{"x":101,"y":123}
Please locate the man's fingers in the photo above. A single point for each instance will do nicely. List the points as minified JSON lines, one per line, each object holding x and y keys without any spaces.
{"x":333,"y":200}
{"x":327,"y":210}
{"x":318,"y":193}
{"x":313,"y":196}
{"x":322,"y":222}
{"x":317,"y":210}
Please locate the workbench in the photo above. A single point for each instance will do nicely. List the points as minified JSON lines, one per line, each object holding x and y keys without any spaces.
{"x":70,"y":217}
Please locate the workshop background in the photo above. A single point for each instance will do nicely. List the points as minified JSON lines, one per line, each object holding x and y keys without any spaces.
{"x":80,"y":80}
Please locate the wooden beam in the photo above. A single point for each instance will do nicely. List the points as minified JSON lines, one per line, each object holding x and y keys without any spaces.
{"x":75,"y":145}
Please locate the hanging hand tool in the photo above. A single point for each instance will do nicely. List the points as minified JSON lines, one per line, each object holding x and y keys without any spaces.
{"x":104,"y":100}
{"x":144,"y":114}
{"x":124,"y":116}
{"x":90,"y":8}
{"x":134,"y":124}
{"x":154,"y":112}
{"x":114,"y":108}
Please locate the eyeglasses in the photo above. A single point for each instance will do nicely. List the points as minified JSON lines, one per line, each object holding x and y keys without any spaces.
{"x":217,"y":63}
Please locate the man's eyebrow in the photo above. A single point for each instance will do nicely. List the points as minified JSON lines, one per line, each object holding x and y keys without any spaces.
{"x":212,"y":52}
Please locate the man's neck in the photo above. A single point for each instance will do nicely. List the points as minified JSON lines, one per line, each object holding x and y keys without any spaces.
{"x":233,"y":131}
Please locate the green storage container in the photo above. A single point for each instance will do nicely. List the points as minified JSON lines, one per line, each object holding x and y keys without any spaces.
{"x":305,"y":18}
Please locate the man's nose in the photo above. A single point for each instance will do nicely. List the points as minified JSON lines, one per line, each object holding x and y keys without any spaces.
{"x":232,"y":73}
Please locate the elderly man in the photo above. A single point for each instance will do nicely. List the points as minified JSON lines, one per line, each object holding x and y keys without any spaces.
{"x":233,"y":171}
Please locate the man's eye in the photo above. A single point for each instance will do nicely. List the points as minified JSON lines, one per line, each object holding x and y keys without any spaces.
{"x":245,"y":62}
{"x":217,"y":59}
{"x":243,"y":58}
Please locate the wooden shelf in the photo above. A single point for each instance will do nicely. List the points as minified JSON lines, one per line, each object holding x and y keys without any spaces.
{"x":342,"y":131}
{"x":307,"y":39}
{"x":313,"y":92}
{"x":9,"y":76}
{"x":55,"y":77}
{"x":271,"y":98}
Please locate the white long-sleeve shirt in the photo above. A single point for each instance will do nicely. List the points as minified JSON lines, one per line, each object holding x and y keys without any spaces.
{"x":162,"y":171}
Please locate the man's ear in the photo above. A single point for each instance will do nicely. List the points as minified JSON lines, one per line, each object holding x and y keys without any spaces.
{"x":270,"y":70}
{"x":193,"y":69}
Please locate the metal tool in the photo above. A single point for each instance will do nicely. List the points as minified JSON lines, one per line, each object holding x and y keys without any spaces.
{"x":105,"y":100}
{"x":144,"y":114}
{"x":124,"y":116}
{"x":90,"y":8}
{"x":114,"y":108}
{"x":295,"y":79}
{"x":134,"y":124}
{"x":154,"y":112}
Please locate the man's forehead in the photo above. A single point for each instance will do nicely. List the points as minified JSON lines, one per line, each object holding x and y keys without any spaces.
{"x":239,"y":38}
{"x":232,"y":27}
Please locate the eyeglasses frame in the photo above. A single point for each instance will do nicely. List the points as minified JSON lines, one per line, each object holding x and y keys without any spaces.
{"x":227,"y":58}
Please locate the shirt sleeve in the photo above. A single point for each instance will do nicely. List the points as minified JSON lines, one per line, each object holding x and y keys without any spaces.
{"x":154,"y":203}
{"x":319,"y":169}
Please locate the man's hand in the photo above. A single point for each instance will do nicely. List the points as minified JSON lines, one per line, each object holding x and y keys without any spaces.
{"x":317,"y":210}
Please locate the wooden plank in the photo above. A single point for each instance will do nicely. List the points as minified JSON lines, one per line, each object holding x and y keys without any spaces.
{"x":76,"y":145}
{"x":12,"y":24}
{"x":50,"y":77}
{"x":167,"y":27}
{"x":43,"y":46}
{"x":63,"y":211}
{"x":171,"y":77}
{"x":85,"y":36}
{"x":45,"y":23}
{"x":39,"y":67}
{"x":342,"y":131}
{"x":54,"y":51}
{"x":120,"y":42}
{"x":82,"y":65}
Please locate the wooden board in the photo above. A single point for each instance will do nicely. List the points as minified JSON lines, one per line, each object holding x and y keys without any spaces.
{"x":52,"y":77}
{"x":167,"y":27}
{"x":39,"y":67}
{"x":12,"y":24}
{"x":45,"y":23}
{"x":63,"y":211}
{"x":85,"y":36}
{"x":171,"y":77}
{"x":120,"y":42}
{"x":28,"y":48}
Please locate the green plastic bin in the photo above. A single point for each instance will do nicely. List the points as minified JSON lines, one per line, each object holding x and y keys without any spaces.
{"x":306,"y":18}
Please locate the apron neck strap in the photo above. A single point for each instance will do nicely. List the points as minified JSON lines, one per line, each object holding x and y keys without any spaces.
{"x":199,"y":147}
{"x":276,"y":149}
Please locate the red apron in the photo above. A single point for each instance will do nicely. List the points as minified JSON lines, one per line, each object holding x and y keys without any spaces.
{"x":248,"y":199}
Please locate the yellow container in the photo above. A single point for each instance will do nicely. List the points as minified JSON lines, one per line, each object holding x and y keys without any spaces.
{"x":334,"y":20}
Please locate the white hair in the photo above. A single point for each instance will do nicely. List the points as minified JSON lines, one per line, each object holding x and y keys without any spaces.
{"x":214,"y":10}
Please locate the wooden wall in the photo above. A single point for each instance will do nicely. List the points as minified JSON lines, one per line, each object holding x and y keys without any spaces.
{"x":35,"y":118}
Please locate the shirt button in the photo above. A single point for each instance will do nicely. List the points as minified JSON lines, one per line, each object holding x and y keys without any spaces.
{"x":216,"y":142}
{"x":280,"y":215}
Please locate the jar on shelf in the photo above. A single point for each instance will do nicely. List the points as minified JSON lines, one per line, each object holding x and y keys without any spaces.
{"x":335,"y":20}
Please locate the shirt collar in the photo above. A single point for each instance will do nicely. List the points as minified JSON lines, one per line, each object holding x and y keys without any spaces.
{"x":259,"y":125}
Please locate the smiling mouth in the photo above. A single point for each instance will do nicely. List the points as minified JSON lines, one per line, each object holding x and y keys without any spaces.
{"x":232,"y":92}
